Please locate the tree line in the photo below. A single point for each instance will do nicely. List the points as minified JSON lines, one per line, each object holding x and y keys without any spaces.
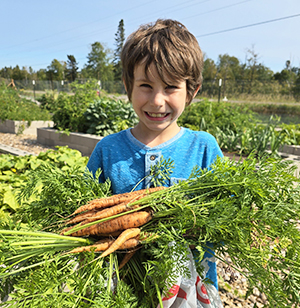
{"x":104,"y":64}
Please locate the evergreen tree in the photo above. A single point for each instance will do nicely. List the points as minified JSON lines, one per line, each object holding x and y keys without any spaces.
{"x":119,"y":41}
{"x":6,"y":72}
{"x":98,"y":66}
{"x":17,"y":73}
{"x":72,"y":68}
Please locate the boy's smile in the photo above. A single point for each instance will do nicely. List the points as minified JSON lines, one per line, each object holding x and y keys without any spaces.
{"x":158,"y":116}
{"x":157,"y":104}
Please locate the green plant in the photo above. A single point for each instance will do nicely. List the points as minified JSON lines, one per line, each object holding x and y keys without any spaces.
{"x":206,"y":115}
{"x":47,"y":100}
{"x":238,"y":131}
{"x":248,"y":208}
{"x":14,"y":107}
{"x":106,"y":116}
{"x":15,"y":171}
{"x":259,"y":139}
{"x":69,"y":109}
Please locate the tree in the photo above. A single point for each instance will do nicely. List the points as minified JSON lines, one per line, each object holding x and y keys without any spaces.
{"x":99,"y":66}
{"x":209,"y":76}
{"x":228,"y":69}
{"x":17,"y":73}
{"x":296,"y":88}
{"x":41,"y":74}
{"x":55,"y":71}
{"x":6,"y":72}
{"x":252,"y":65}
{"x":119,"y":41}
{"x":72,"y":68}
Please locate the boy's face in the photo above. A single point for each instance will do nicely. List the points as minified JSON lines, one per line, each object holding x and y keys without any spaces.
{"x":157,"y":104}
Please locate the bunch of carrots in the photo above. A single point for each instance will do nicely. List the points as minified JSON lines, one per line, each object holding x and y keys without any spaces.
{"x":116,"y":220}
{"x":251,"y":207}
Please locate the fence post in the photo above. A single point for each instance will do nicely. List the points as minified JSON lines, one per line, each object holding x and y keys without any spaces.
{"x":33,"y":83}
{"x":220,"y":84}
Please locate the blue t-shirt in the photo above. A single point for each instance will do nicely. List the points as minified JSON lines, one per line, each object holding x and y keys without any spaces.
{"x":126,"y":161}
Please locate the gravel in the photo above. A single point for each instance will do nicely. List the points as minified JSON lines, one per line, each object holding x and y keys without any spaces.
{"x":232,"y":285}
{"x":26,"y":143}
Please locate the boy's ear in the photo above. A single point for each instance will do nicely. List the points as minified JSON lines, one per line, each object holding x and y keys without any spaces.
{"x":189,"y":99}
{"x":196,"y":91}
{"x":124,"y":84}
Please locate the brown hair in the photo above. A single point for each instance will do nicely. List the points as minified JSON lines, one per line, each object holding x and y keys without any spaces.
{"x":173,"y":50}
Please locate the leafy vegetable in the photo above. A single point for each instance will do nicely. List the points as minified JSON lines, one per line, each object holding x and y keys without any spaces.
{"x":106,"y":116}
{"x":249,"y":209}
{"x":16,"y":170}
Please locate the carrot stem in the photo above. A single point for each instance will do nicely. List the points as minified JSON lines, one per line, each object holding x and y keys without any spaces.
{"x":40,"y":234}
{"x":158,"y":295}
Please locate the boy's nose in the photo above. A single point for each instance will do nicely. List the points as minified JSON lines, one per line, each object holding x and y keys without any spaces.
{"x":158,"y":98}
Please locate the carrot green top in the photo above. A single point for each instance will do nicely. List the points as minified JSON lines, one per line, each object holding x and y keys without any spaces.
{"x":126,"y":161}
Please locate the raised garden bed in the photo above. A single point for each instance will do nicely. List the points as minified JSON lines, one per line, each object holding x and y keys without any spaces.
{"x":85,"y":143}
{"x":23,"y":127}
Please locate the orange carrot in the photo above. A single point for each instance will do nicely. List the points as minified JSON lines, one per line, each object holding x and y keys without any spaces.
{"x":130,"y":243}
{"x":129,"y":254}
{"x":70,"y":228}
{"x":127,"y":221}
{"x":112,"y":234}
{"x":81,"y":217}
{"x":123,"y":237}
{"x":101,"y":245}
{"x":116,"y":199}
{"x":111,"y":211}
{"x":104,"y":244}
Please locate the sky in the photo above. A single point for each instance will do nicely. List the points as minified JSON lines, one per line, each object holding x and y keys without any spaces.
{"x":35,"y":32}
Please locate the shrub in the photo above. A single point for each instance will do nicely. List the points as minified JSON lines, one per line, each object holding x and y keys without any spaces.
{"x":68,"y":113}
{"x":47,"y":100}
{"x":14,"y":107}
{"x":237,"y":128}
{"x":106,"y":116}
{"x":206,"y":115}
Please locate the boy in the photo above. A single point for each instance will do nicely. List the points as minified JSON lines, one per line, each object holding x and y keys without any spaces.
{"x":162,"y":72}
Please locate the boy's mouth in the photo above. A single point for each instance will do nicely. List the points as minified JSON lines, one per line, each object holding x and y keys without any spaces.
{"x":157,"y":115}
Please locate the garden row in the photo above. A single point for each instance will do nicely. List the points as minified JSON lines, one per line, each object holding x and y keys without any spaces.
{"x":84,"y":118}
{"x":38,"y":193}
{"x":236,"y":127}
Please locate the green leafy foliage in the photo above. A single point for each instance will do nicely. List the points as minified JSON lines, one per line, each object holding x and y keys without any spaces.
{"x":260,"y":139}
{"x":206,"y":115}
{"x":59,"y":191}
{"x":249,"y":209}
{"x":68,"y":110}
{"x":14,"y":107}
{"x":76,"y":282}
{"x":294,"y":133}
{"x":47,"y":100}
{"x":237,"y":129}
{"x":108,"y":116}
{"x":16,"y":170}
{"x":87,"y":113}
{"x":160,"y":172}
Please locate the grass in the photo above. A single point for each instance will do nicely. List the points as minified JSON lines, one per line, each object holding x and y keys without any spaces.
{"x":284,"y":118}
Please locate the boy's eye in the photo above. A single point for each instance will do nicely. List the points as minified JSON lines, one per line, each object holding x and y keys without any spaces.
{"x":145,"y":85}
{"x":171,"y":87}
